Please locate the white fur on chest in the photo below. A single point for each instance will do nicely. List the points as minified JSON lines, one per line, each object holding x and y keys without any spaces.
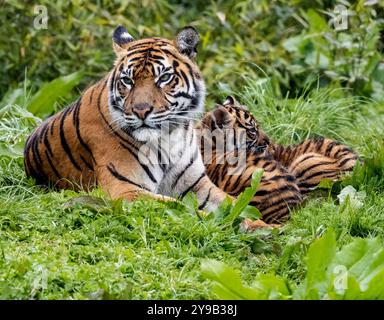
{"x":185,"y":163}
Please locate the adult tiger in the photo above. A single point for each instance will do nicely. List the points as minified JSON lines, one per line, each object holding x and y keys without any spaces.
{"x":132,"y":132}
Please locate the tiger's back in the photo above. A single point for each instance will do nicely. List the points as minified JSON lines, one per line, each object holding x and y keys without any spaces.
{"x":314,"y":160}
{"x":56,"y":153}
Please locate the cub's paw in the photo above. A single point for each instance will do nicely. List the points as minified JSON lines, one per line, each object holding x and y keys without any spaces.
{"x":249,"y":225}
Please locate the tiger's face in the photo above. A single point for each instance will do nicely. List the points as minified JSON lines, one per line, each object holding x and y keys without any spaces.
{"x":155,"y":83}
{"x":232,"y":116}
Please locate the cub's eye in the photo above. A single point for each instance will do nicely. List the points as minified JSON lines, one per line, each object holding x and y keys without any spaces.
{"x":165,"y":77}
{"x":127,"y":81}
{"x":252,"y":131}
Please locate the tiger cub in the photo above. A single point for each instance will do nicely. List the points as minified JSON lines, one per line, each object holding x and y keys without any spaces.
{"x":289,"y":172}
{"x":131,"y":133}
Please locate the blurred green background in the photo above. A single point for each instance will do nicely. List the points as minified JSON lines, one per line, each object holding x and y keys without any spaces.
{"x":291,"y":42}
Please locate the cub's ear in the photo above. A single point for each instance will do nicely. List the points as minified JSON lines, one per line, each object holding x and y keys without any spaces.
{"x":120,"y":38}
{"x":221,"y":117}
{"x":229,"y":101}
{"x":187,"y":40}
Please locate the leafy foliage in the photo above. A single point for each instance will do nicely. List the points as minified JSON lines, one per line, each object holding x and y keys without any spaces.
{"x":290,"y":41}
{"x":41,"y":104}
{"x":354,"y":272}
{"x":229,"y":211}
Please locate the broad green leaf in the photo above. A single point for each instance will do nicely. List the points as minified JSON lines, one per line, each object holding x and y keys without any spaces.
{"x":42,"y":102}
{"x":319,"y":256}
{"x":245,"y":197}
{"x":272,"y":286}
{"x":317,"y":22}
{"x":190,"y":201}
{"x":250,"y":212}
{"x":226,"y":281}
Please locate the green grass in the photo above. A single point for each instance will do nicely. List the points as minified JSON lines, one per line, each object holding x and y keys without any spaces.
{"x":67,"y":245}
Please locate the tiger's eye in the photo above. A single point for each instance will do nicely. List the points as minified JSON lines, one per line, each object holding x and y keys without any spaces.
{"x":252,"y":132}
{"x":127,"y":81}
{"x":165,"y":77}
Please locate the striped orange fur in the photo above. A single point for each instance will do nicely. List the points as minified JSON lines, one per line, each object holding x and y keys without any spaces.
{"x":289,"y":172}
{"x":132,"y":132}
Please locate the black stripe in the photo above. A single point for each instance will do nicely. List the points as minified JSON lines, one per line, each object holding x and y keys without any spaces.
{"x":118,"y":176}
{"x":279,"y":213}
{"x":309,"y":142}
{"x":279,"y":203}
{"x":186,"y":80}
{"x":227,"y":183}
{"x":307,"y":185}
{"x":347,"y":159}
{"x":183,"y":94}
{"x":191,"y":161}
{"x":274,"y":192}
{"x":105,"y":120}
{"x":43,"y":130}
{"x":63,"y":141}
{"x":319,"y":143}
{"x":193,"y":185}
{"x":111,"y":85}
{"x":90,"y":166}
{"x":52,"y":165}
{"x":28,"y":161}
{"x":145,"y":168}
{"x":302,"y":160}
{"x":52,"y":126}
{"x":147,"y":51}
{"x":279,"y":177}
{"x":305,"y":170}
{"x":326,"y":173}
{"x":238,"y":184}
{"x":91,"y":95}
{"x":329,"y":149}
{"x":37,"y":159}
{"x":46,"y":142}
{"x":206,"y":199}
{"x":76,"y":123}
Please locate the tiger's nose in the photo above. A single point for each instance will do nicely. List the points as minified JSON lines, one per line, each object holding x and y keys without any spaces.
{"x":142,"y":110}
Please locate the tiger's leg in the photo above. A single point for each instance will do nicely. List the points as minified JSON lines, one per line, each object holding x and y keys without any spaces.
{"x":209,"y":196}
{"x":277,"y":193}
{"x":311,"y":168}
{"x":118,"y":184}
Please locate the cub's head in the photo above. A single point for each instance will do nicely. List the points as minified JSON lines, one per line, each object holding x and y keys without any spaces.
{"x":155,"y":83}
{"x":232,"y":116}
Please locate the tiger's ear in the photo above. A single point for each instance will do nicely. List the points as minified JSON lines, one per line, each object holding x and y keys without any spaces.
{"x":120,"y":38}
{"x":231,"y":101}
{"x":187,"y":40}
{"x":221,"y":116}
